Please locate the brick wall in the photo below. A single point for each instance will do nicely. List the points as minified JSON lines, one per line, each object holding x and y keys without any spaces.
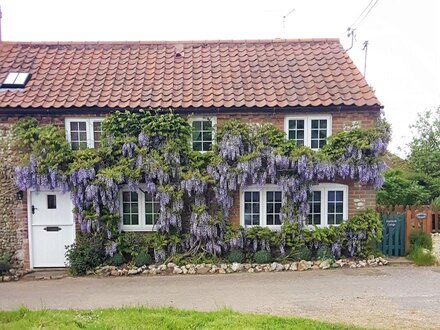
{"x":13,"y":214}
{"x":13,"y":219}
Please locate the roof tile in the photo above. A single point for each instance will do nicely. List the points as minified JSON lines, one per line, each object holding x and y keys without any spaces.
{"x":272,"y":73}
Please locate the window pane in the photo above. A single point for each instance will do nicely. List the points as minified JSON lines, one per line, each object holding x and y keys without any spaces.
{"x":292,"y":124}
{"x":74,"y":136}
{"x":339,"y":219}
{"x":247,"y":196}
{"x":331,"y":195}
{"x":126,"y":219}
{"x":247,"y":208}
{"x":197,"y":125}
{"x":197,"y":146}
{"x":331,"y":219}
{"x":207,"y":136}
{"x":339,"y":208}
{"x":323,"y":123}
{"x":315,"y":123}
{"x":206,"y":146}
{"x":207,"y":125}
{"x":83,"y":136}
{"x":134,"y":219}
{"x":247,"y":220}
{"x":197,"y":136}
{"x":278,"y":196}
{"x":322,"y":134}
{"x":269,"y":208}
{"x":277,"y":219}
{"x":82,"y":126}
{"x":300,"y":135}
{"x":256,"y":196}
{"x":314,"y":144}
{"x":269,"y":196}
{"x":256,"y":220}
{"x":314,"y":134}
{"x":256,"y":208}
{"x":269,"y":220}
{"x":73,"y":126}
{"x":339,"y":196}
{"x":148,"y":219}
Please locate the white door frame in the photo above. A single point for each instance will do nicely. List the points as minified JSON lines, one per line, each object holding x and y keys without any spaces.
{"x":29,"y":216}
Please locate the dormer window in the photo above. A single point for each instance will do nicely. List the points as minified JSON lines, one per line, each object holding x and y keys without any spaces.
{"x":16,"y":80}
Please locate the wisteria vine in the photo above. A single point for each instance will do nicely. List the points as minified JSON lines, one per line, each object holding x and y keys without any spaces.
{"x":195,"y":192}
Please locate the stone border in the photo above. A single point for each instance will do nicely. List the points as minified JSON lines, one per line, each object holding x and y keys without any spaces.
{"x":173,"y":269}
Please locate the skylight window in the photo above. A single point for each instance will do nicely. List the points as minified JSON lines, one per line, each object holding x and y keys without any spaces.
{"x":16,"y":80}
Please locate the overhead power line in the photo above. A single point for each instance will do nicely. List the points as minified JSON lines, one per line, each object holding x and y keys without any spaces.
{"x":366,"y":15}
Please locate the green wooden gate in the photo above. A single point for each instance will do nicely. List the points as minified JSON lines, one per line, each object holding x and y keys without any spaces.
{"x":393,"y":234}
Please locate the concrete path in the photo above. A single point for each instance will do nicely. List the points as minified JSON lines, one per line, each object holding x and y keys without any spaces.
{"x":385,"y":297}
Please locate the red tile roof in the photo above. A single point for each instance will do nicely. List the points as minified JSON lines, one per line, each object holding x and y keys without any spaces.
{"x":183,"y":74}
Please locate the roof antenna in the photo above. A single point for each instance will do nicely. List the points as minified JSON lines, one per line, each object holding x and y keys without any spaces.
{"x":365,"y":60}
{"x":284,"y":21}
{"x":351,"y":33}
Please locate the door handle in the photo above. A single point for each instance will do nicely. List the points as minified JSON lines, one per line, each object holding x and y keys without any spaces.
{"x":53,"y":228}
{"x":33,"y":208}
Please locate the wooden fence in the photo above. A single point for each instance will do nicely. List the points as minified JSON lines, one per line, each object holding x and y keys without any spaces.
{"x":423,"y":218}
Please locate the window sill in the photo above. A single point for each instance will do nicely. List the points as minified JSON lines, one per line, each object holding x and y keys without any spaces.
{"x":138,"y":228}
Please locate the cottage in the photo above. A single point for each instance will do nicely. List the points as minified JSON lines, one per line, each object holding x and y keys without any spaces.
{"x":309,"y":89}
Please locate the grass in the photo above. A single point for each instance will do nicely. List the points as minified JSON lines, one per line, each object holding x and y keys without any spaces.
{"x":152,"y":318}
{"x":421,"y":256}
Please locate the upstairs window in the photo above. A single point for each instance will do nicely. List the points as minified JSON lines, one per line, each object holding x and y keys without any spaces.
{"x":311,"y":131}
{"x":84,"y":133}
{"x":202,"y":133}
{"x":16,"y":80}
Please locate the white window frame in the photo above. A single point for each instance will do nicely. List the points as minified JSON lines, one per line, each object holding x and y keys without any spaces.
{"x":308,"y":126}
{"x":213,"y":120}
{"x":324,"y":188}
{"x":263,"y":204}
{"x":89,"y":129}
{"x":141,"y":212}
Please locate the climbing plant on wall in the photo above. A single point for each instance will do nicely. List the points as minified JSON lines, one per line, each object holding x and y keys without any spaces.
{"x":151,"y":151}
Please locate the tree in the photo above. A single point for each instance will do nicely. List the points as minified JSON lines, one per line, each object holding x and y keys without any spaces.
{"x":416,"y":181}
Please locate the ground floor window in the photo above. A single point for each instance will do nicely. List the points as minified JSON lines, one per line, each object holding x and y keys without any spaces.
{"x":139,"y":211}
{"x":261,"y":206}
{"x":328,"y":204}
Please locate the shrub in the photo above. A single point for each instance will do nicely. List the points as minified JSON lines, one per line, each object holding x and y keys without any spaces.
{"x":5,"y":266}
{"x":236,"y":256}
{"x":117,"y":260}
{"x":324,"y":252}
{"x":301,"y":253}
{"x":143,"y":258}
{"x":422,"y":256}
{"x":262,"y":257}
{"x":131,"y":243}
{"x":85,"y":254}
{"x":420,"y":239}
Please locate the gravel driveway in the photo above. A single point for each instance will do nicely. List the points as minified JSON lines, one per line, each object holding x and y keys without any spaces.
{"x":385,"y":297}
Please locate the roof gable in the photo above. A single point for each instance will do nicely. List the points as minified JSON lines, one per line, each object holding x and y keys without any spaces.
{"x":184,"y":74}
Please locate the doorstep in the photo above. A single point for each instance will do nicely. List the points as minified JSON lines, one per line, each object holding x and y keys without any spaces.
{"x":399,"y":261}
{"x":46,"y":274}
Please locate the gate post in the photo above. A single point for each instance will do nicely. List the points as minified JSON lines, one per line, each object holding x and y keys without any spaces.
{"x":407,"y":228}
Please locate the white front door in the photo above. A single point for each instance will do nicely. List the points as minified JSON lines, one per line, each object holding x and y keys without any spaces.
{"x":52,"y":228}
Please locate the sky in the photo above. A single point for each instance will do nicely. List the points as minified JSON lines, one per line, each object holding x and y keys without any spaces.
{"x":403,"y":59}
